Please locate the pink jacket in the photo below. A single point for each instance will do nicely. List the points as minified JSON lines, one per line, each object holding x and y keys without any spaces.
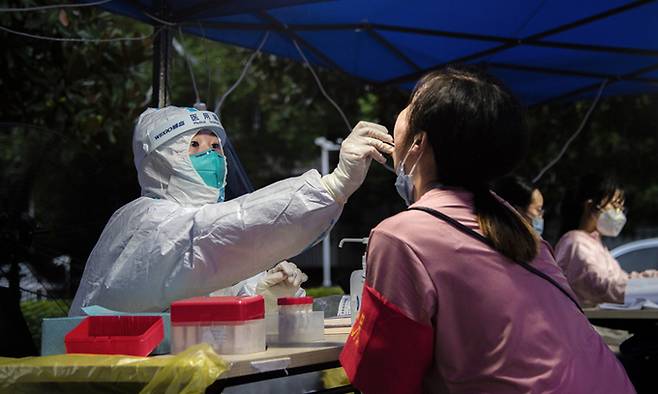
{"x":594,"y":275}
{"x":493,"y":327}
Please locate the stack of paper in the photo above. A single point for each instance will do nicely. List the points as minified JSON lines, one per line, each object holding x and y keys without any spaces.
{"x":337,"y":325}
{"x":640,"y":293}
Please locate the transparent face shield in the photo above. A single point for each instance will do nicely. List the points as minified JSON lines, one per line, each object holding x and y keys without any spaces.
{"x":237,"y":180}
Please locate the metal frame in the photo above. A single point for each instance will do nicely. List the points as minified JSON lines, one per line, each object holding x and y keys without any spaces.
{"x":162,"y":48}
{"x":648,"y":243}
{"x":530,"y":39}
{"x":398,"y":53}
{"x":219,"y":385}
{"x":629,"y":76}
{"x":461,"y":35}
{"x":372,"y":29}
{"x":565,"y":72}
{"x":291,"y":35}
{"x":162,"y":43}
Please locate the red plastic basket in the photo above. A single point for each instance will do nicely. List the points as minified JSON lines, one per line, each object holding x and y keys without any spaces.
{"x":200,"y":310}
{"x":294,"y":301}
{"x":129,"y":335}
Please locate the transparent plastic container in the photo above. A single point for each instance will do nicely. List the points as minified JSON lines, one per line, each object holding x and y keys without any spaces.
{"x":297,"y":323}
{"x":231,"y":325}
{"x":357,"y":279}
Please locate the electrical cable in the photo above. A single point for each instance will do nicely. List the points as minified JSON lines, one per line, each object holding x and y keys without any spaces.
{"x":324,"y":92}
{"x":56,"y":300}
{"x":155,"y":18}
{"x":326,"y":95}
{"x":573,"y":137}
{"x":529,"y":18}
{"x":45,"y":295}
{"x":80,"y":39}
{"x":189,"y":65}
{"x":206,"y":59}
{"x":54,"y":6}
{"x":251,"y":58}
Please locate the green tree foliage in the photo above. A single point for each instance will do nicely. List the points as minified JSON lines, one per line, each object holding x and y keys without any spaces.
{"x":35,"y":311}
{"x":66,"y":119}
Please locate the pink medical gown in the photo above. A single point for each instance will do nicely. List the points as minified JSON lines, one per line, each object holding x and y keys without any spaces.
{"x":443,"y":313}
{"x":594,"y":275}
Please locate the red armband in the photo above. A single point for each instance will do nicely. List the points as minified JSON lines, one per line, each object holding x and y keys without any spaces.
{"x":386,"y":352}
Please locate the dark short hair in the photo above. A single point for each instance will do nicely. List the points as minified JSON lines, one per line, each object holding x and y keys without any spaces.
{"x":515,"y":190}
{"x":598,"y":188}
{"x":476,"y":130}
{"x":474,"y":123}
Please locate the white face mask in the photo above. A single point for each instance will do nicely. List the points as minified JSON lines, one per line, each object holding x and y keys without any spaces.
{"x":610,"y":222}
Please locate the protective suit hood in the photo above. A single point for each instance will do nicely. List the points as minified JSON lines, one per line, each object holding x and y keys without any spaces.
{"x":160,"y":149}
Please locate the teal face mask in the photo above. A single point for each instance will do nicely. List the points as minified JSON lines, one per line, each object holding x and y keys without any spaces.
{"x":211,"y":167}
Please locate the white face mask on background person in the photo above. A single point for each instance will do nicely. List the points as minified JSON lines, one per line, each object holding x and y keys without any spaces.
{"x":610,"y":222}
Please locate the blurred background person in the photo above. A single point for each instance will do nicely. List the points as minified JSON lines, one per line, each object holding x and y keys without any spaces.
{"x":524,"y":197}
{"x":596,"y":209}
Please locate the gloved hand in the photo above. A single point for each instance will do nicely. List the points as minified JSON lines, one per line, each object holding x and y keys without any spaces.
{"x":367,"y":141}
{"x":283,"y":280}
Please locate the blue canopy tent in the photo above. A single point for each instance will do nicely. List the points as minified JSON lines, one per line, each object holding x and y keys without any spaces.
{"x":544,"y":50}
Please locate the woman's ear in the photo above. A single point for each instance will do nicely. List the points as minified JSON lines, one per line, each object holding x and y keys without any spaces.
{"x":420,"y":140}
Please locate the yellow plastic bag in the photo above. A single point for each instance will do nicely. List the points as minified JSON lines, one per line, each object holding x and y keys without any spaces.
{"x":189,"y":372}
{"x":336,"y":377}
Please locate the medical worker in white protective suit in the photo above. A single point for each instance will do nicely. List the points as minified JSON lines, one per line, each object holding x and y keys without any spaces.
{"x":180,"y":239}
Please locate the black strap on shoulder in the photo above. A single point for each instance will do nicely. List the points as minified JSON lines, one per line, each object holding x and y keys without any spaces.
{"x":474,"y":234}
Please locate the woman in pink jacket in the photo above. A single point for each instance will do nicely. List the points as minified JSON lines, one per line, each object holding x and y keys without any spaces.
{"x":461,"y":295}
{"x":596,"y":209}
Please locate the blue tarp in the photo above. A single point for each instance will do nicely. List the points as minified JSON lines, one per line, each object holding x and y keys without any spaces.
{"x":544,"y":50}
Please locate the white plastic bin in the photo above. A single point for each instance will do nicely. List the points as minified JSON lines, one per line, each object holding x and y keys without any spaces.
{"x":231,"y":325}
{"x":297,"y":323}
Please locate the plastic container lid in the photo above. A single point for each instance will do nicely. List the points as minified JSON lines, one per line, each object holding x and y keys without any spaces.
{"x":129,"y":335}
{"x":218,"y":309}
{"x":294,"y":300}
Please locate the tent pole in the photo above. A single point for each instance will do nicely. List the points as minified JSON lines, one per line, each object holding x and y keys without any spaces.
{"x":326,"y":146}
{"x":161,"y":58}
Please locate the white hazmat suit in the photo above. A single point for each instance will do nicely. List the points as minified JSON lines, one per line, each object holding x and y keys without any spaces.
{"x":176,"y":241}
